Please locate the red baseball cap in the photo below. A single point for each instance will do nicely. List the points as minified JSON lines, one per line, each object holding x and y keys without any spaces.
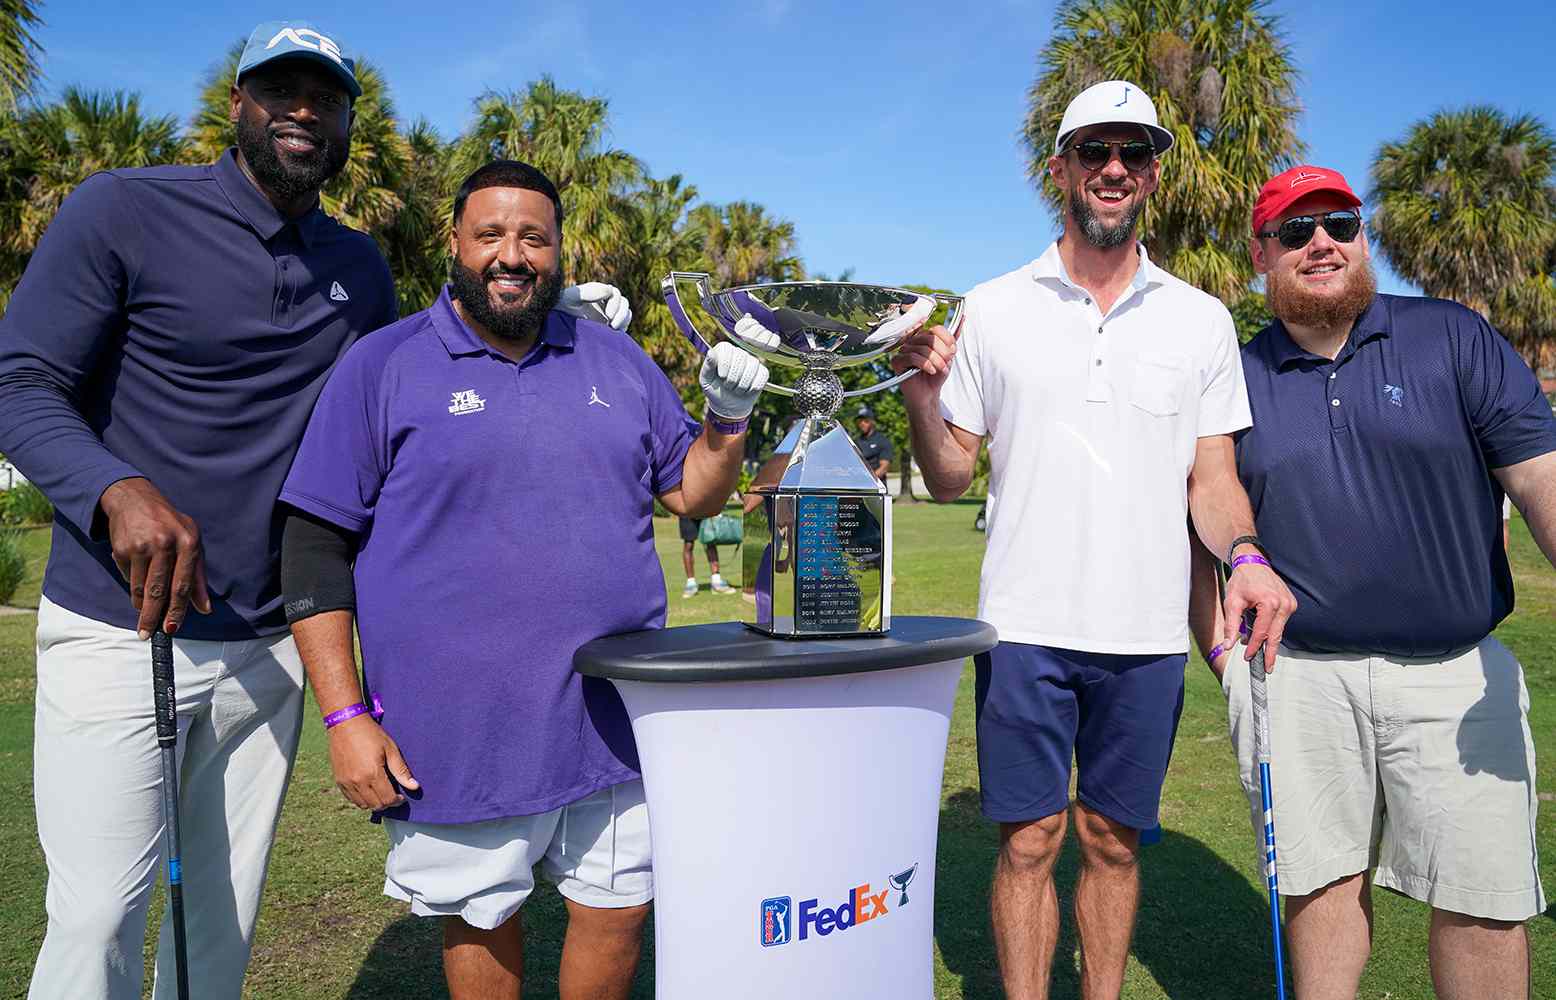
{"x":1283,"y":190}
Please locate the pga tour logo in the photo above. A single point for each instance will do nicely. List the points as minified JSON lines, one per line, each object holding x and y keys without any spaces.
{"x":776,"y":915}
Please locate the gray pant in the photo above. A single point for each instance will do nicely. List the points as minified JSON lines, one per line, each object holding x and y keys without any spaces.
{"x":97,"y":789}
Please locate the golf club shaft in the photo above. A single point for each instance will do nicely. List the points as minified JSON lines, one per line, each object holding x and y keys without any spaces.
{"x":1259,"y":695}
{"x":1261,"y":752}
{"x":166,"y":702}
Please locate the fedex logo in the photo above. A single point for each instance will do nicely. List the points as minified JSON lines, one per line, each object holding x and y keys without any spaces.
{"x":320,"y":43}
{"x":861,"y":906}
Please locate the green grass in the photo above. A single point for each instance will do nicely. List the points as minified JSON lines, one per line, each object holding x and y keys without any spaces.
{"x":326,"y":932}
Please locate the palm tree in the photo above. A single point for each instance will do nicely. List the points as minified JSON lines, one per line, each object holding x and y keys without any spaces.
{"x":18,"y":52}
{"x":48,"y":150}
{"x":366,"y":194}
{"x":416,"y":242}
{"x":561,"y":133}
{"x":1466,"y":209}
{"x":659,"y":240}
{"x":1223,"y":82}
{"x":742,"y":244}
{"x":1525,"y":312}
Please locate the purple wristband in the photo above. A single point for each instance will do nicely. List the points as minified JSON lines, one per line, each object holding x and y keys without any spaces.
{"x":723,"y":426}
{"x":338,"y":716}
{"x":1250,"y":558}
{"x":1215,"y":653}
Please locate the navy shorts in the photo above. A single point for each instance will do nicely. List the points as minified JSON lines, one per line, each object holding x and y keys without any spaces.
{"x":1115,"y":714}
{"x":689,"y":528}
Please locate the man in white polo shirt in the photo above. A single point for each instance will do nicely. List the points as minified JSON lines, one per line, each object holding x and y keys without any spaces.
{"x":1109,"y":391}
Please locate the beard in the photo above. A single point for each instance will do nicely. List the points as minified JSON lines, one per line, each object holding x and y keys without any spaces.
{"x":1294,"y":305}
{"x":290,"y":176}
{"x":1098,"y":233}
{"x":511,"y":320}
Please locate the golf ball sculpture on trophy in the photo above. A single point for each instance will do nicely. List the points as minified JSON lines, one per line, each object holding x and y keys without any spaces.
{"x":817,"y":545}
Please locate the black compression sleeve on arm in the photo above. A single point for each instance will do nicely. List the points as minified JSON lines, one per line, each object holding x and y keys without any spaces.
{"x":316,"y":558}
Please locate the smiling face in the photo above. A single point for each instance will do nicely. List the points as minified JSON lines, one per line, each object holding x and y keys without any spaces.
{"x":1104,"y":204}
{"x":507,"y":271}
{"x":293,"y":121}
{"x":1325,"y":284}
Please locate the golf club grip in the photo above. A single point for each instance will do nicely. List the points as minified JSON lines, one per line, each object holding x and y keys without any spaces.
{"x":1259,"y":695}
{"x":162,"y":688}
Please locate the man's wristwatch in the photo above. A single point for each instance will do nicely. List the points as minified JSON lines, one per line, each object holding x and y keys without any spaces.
{"x":1245,"y":540}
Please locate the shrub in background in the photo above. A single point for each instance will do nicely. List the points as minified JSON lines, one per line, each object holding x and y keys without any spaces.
{"x":13,"y":563}
{"x":25,"y":504}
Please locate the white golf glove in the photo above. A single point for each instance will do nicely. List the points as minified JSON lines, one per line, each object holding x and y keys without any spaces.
{"x":755,"y":334}
{"x":597,"y":301}
{"x":731,"y":379}
{"x":894,"y":330}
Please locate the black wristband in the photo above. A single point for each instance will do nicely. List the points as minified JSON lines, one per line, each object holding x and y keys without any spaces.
{"x":1245,"y":540}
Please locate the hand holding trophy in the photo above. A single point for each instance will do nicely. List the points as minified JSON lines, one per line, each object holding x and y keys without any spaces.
{"x":818,"y":546}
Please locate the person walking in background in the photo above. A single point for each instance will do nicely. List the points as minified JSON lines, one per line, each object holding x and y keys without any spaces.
{"x":873,"y":446}
{"x":1109,"y":391}
{"x":690,"y":528}
{"x":1386,"y":430}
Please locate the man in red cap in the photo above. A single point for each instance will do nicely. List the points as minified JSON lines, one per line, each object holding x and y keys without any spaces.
{"x":1386,"y":430}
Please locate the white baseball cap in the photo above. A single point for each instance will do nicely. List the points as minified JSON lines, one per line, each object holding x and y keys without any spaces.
{"x":1115,"y":102}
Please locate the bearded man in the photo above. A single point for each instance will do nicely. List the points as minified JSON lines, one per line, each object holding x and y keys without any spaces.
{"x":1109,"y":391}
{"x":1386,"y":431}
{"x":158,"y":362}
{"x":476,"y":493}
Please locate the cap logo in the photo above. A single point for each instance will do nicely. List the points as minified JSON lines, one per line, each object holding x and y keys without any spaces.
{"x":1304,"y":177}
{"x":323,"y":43}
{"x":1125,"y":99}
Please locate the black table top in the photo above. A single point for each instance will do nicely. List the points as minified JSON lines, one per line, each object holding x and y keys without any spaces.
{"x":728,"y":651}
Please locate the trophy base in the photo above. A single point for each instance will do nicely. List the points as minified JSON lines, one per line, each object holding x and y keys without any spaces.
{"x":819,"y":562}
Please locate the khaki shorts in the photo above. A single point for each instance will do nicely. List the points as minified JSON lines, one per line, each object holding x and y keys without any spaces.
{"x":1420,"y":769}
{"x":597,"y":850}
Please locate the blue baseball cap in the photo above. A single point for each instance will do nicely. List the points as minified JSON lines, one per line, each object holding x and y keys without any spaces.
{"x":298,"y":39}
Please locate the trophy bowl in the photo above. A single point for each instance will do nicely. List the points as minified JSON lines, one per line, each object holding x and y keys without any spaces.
{"x":820,"y":326}
{"x":817,"y":548}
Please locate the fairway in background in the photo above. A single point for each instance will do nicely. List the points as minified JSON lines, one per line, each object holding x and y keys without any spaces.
{"x":326,"y":932}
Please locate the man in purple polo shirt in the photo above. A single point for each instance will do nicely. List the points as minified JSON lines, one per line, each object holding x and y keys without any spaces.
{"x":1386,"y":430}
{"x":158,"y":362}
{"x":467,"y":458}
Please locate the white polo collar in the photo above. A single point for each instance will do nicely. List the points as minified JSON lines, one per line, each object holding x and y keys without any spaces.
{"x":1050,"y":267}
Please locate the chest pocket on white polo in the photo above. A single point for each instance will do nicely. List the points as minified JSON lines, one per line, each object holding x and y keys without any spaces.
{"x":1159,"y":381}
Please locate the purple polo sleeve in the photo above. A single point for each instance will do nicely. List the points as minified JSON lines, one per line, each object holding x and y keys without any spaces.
{"x":341,"y":463}
{"x":65,"y":313}
{"x":671,"y":429}
{"x":1511,"y":416}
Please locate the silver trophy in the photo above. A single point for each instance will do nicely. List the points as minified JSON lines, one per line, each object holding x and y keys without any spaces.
{"x":818,"y":545}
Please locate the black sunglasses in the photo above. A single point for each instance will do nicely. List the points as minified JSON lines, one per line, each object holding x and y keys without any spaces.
{"x":1094,"y":154}
{"x":1295,"y":232}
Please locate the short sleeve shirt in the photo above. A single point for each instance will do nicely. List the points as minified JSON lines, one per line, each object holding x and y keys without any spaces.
{"x":1371,"y":476}
{"x":875,"y":447}
{"x":506,"y":515}
{"x":1092,"y":423}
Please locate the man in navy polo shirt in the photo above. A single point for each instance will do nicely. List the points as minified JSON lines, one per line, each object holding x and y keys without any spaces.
{"x":158,"y":362}
{"x":466,"y":459}
{"x":1385,"y":432}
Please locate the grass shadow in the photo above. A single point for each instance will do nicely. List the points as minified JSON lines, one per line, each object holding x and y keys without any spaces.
{"x":1202,"y":930}
{"x":407,"y":958}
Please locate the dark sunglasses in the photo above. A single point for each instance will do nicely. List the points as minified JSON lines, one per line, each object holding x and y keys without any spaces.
{"x":1094,"y":154}
{"x":1295,"y":232}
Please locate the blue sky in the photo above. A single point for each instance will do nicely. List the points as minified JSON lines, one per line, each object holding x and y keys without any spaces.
{"x":886,"y":131}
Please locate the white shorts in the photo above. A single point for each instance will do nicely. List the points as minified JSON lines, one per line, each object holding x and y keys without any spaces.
{"x":1421,"y":769}
{"x":597,"y":850}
